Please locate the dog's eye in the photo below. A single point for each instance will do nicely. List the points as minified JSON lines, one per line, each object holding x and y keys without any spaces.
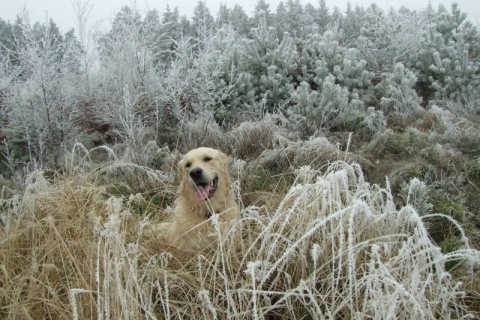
{"x":207,"y":159}
{"x":188,"y":164}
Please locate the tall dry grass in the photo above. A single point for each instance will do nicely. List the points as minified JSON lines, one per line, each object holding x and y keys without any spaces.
{"x":334,"y":247}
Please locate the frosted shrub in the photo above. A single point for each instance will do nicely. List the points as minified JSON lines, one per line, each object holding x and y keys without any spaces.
{"x":203,"y":131}
{"x":131,"y":127}
{"x":315,"y":152}
{"x":415,"y":194}
{"x":453,"y":75}
{"x":243,"y":100}
{"x":468,"y":107}
{"x":391,"y":38}
{"x":288,"y":154}
{"x":250,"y":138}
{"x":374,"y":120}
{"x":322,"y":56}
{"x":305,"y":99}
{"x":456,"y":132}
{"x":444,"y":64}
{"x":267,"y":64}
{"x":332,"y":106}
{"x":117,"y":173}
{"x":194,"y":82}
{"x":396,"y":92}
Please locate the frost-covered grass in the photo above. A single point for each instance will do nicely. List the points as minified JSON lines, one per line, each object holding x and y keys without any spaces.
{"x":333,"y":246}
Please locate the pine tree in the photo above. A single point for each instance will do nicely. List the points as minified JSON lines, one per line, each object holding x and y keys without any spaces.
{"x":396,"y":92}
{"x":171,"y":31}
{"x":331,"y":106}
{"x":388,"y":39}
{"x":262,"y":12}
{"x":223,"y":16}
{"x":353,"y":22}
{"x":270,"y":63}
{"x":202,"y":20}
{"x":281,"y":20}
{"x":295,"y":16}
{"x":445,"y":65}
{"x":240,"y":21}
{"x":186,"y":27}
{"x":323,"y":56}
{"x":322,"y":17}
{"x":337,"y":16}
{"x":308,"y":18}
{"x":155,"y":38}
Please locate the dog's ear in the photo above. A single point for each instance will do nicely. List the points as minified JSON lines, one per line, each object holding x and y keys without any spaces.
{"x":223,"y":157}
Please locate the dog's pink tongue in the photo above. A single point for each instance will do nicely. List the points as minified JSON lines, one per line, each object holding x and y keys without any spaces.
{"x":202,"y":193}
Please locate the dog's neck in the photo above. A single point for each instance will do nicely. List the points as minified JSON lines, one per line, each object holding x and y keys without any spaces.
{"x":203,"y":210}
{"x":207,"y":211}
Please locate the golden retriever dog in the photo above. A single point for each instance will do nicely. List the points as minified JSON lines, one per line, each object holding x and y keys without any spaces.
{"x":205,"y":199}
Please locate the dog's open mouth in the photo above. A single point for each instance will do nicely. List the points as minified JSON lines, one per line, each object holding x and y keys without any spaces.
{"x":206,"y":190}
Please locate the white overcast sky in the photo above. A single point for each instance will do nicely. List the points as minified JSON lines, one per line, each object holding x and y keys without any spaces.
{"x":61,"y":11}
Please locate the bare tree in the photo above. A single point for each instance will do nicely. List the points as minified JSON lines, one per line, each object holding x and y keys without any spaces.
{"x":85,"y":34}
{"x":43,"y":91}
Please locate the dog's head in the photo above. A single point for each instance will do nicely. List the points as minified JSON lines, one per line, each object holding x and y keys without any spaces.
{"x":204,"y":174}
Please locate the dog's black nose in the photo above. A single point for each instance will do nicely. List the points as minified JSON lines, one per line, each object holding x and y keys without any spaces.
{"x":196,"y":173}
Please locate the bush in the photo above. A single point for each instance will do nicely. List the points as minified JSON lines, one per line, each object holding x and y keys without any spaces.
{"x":396,"y":94}
{"x":443,"y":63}
{"x":332,"y":107}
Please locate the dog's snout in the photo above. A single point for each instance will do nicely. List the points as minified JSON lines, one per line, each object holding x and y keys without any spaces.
{"x":196,"y":173}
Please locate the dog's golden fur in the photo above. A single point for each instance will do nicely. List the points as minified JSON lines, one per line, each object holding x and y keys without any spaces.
{"x":205,"y":190}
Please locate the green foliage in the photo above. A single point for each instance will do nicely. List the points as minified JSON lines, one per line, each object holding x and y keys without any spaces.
{"x":202,"y":20}
{"x":461,"y":133}
{"x":444,"y":231}
{"x":445,"y":65}
{"x":321,"y":56}
{"x":395,"y":143}
{"x":333,"y":106}
{"x":7,"y":41}
{"x":262,"y":181}
{"x":374,"y":121}
{"x":156,"y":159}
{"x":239,"y":20}
{"x":388,"y":39}
{"x":416,"y":194}
{"x":323,"y":17}
{"x":395,"y":92}
{"x":444,"y":203}
{"x":398,"y":144}
{"x":269,"y":63}
{"x":171,"y":31}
